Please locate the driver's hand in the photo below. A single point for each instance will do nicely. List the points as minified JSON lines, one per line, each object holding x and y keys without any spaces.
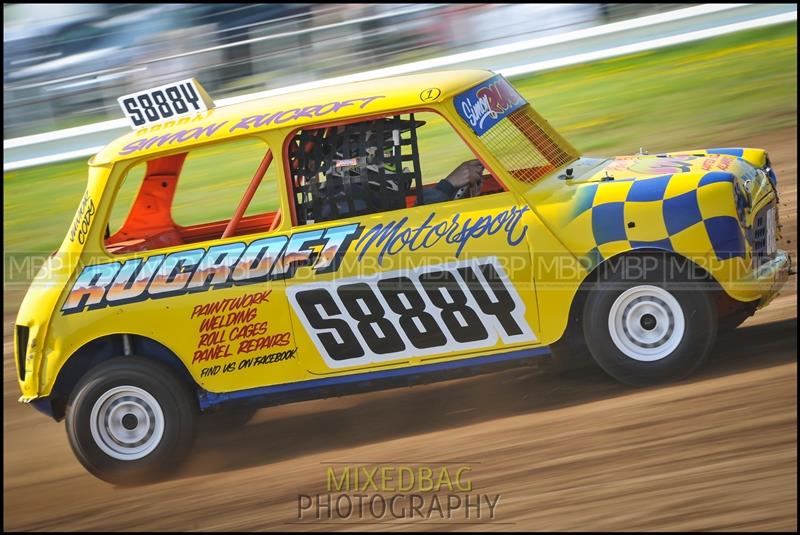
{"x":469,"y":172}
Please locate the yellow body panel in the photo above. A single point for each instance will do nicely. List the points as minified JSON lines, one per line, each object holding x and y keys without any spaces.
{"x":543,"y":238}
{"x":292,"y":110}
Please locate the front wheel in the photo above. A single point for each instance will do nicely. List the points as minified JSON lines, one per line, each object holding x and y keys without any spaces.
{"x":650,"y":328}
{"x":130,"y":421}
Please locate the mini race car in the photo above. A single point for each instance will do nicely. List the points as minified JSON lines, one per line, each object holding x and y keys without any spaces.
{"x":334,"y":241}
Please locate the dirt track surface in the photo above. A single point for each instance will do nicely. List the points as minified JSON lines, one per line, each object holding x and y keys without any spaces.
{"x":715,"y":452}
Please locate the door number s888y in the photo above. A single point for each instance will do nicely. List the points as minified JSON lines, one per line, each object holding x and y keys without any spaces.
{"x":451,"y":307}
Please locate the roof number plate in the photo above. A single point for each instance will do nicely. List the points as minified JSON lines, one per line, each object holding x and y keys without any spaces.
{"x":178,"y":99}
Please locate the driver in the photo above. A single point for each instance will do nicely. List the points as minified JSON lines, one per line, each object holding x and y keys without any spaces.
{"x":354,"y":183}
{"x":466,"y":178}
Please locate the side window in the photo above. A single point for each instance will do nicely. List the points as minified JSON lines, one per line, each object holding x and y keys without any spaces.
{"x":382,"y":164}
{"x":195,"y":196}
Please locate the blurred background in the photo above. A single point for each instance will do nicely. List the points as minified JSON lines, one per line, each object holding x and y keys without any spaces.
{"x":65,"y":65}
{"x":718,"y":452}
{"x":602,"y":74}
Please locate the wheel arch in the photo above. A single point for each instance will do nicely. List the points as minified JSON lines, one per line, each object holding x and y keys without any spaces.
{"x":599,"y":271}
{"x":105,"y":348}
{"x":570,"y":351}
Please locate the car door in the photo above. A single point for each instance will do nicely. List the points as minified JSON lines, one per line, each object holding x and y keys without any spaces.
{"x":417,"y":285}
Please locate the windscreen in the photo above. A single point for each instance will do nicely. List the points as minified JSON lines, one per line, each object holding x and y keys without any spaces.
{"x":524,"y":143}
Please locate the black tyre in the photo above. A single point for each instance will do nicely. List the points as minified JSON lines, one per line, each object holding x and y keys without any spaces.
{"x":730,"y":322}
{"x":570,"y":353}
{"x":130,"y":420}
{"x":647,"y":326}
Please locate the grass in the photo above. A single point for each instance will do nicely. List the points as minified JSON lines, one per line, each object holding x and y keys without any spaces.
{"x":693,"y":95}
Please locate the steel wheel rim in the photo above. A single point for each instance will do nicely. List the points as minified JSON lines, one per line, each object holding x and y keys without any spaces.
{"x":646,"y":323}
{"x":126,"y":423}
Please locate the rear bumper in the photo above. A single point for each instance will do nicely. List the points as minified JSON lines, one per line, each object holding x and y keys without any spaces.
{"x":42,"y":404}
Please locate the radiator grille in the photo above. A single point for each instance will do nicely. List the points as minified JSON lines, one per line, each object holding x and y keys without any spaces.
{"x":762,"y":240}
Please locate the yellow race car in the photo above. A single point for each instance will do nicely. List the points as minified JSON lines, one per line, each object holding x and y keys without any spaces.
{"x":366,"y":236}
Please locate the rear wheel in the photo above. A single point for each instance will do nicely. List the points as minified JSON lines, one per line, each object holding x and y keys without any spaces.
{"x":648,"y":327}
{"x":130,"y":421}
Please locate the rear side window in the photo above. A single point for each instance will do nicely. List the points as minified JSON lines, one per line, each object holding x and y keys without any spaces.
{"x":213,"y":181}
{"x":192,"y":196}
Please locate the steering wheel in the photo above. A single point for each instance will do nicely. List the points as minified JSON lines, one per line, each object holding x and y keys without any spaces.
{"x":465,"y":192}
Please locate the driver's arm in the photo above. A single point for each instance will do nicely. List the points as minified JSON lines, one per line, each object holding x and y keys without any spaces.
{"x":468,"y":173}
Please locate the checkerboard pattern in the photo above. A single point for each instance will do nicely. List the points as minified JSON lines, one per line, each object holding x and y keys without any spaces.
{"x":691,"y":216}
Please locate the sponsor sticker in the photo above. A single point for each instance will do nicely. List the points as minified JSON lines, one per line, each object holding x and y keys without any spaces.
{"x":487,"y":104}
{"x":352,"y":162}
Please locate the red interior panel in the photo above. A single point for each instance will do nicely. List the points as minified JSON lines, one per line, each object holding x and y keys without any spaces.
{"x":149,"y":224}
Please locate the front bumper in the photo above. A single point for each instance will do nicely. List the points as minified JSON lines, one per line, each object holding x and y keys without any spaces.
{"x":773,"y":275}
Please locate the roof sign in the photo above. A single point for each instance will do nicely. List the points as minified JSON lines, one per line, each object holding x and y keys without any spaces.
{"x":170,"y":101}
